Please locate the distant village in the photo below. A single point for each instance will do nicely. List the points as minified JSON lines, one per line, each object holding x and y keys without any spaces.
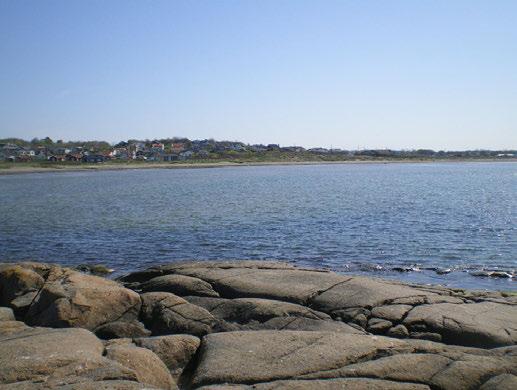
{"x":180,"y":149}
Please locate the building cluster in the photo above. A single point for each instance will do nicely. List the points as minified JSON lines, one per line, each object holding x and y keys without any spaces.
{"x":177,"y":149}
{"x":156,"y":150}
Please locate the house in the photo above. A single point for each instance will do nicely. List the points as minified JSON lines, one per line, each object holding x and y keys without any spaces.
{"x":138,"y":146}
{"x":119,"y":153}
{"x":93,"y":158}
{"x":237,"y":147}
{"x":73,"y":157}
{"x":157,"y":146}
{"x":154,"y":155}
{"x":77,"y":149}
{"x":62,"y":151}
{"x":10,"y":151}
{"x":170,"y":157}
{"x":177,"y":147}
{"x":186,"y":155}
{"x":23,"y":158}
{"x":139,"y":154}
{"x":258,"y":148}
{"x":294,"y":149}
{"x":205,"y":144}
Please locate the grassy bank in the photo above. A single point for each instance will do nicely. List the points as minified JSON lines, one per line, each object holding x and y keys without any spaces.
{"x":47,"y":166}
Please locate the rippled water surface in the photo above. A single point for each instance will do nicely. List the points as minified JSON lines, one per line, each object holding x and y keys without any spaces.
{"x":358,"y":218}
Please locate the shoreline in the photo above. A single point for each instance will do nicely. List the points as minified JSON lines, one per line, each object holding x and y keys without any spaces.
{"x":15,"y":169}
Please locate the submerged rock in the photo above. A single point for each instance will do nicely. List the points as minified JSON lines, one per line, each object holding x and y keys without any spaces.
{"x":95,"y":269}
{"x":406,"y":269}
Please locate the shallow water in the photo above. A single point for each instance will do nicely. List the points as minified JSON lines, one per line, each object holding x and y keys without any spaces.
{"x":352,"y":218}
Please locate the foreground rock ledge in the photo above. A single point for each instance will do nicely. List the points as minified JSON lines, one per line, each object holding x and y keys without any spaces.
{"x":248,"y":325}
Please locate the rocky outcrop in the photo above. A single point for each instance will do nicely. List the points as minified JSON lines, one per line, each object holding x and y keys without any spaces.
{"x":122,"y":329}
{"x":72,"y":299}
{"x":266,"y":357}
{"x":248,"y":325}
{"x":55,"y":357}
{"x":166,"y":313}
{"x":483,"y":324}
{"x":19,"y":285}
{"x":147,"y":366}
{"x":381,"y":307}
{"x":47,"y":295}
{"x":176,"y":351}
{"x":180,"y":285}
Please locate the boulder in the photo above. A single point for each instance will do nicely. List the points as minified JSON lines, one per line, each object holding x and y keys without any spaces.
{"x":72,"y":299}
{"x":377,"y":325}
{"x":11,"y":327}
{"x":326,"y":384}
{"x":180,"y":285}
{"x":259,"y":313}
{"x":148,"y":367}
{"x":21,"y":304}
{"x":176,"y":351}
{"x":105,"y":385}
{"x":394,"y":313}
{"x":399,"y":331}
{"x":17,"y":281}
{"x":426,"y":336}
{"x":121,"y":329}
{"x":207,"y":303}
{"x":365,"y":293}
{"x":6,"y":314}
{"x":484,"y":324}
{"x":56,"y":356}
{"x":244,"y":310}
{"x":501,"y":382}
{"x":308,"y":324}
{"x":165,"y":313}
{"x":290,"y":285}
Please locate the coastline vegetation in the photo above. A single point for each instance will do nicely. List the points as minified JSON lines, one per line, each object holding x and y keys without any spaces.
{"x":41,"y":154}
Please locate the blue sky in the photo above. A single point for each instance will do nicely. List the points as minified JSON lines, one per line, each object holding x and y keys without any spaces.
{"x":350,"y":74}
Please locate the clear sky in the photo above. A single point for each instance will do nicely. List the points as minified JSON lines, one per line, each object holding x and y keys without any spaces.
{"x":349,"y":74}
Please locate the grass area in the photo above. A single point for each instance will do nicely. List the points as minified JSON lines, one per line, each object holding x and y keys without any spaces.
{"x":241,"y":158}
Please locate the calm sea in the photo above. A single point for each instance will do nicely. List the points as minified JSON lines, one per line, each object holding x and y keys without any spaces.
{"x":355,"y":218}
